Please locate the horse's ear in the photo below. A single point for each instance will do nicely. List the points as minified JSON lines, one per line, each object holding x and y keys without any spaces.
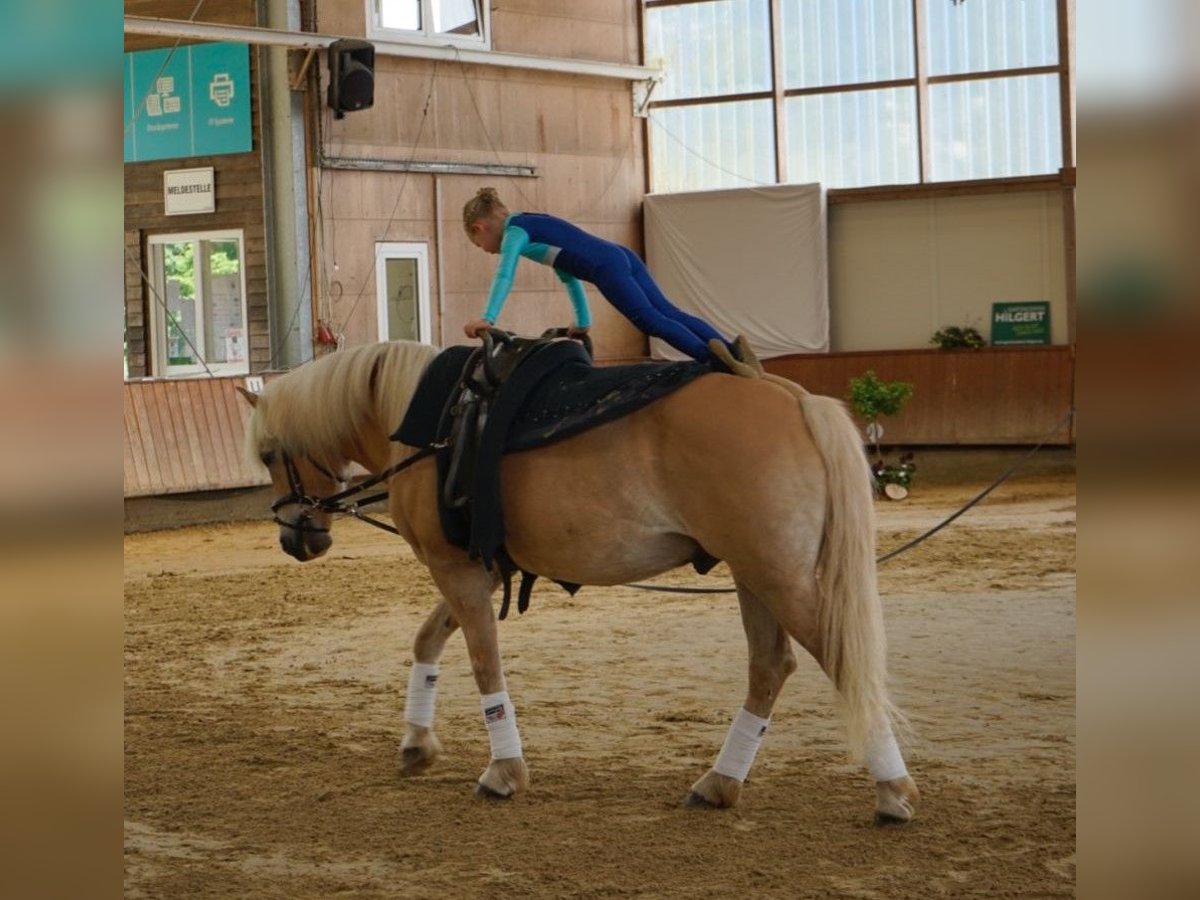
{"x":251,"y":397}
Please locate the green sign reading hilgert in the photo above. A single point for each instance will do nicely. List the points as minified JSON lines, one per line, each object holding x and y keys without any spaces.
{"x":193,"y":101}
{"x":1020,"y":323}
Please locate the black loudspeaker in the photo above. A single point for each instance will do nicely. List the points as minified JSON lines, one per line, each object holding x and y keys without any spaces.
{"x":351,"y":76}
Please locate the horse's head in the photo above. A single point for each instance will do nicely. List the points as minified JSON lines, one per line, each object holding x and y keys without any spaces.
{"x":299,"y":483}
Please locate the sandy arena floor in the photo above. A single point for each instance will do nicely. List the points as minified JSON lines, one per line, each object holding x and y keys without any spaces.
{"x":264,"y":706}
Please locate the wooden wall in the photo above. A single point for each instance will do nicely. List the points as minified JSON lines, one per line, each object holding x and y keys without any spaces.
{"x":998,"y":395}
{"x":185,"y":434}
{"x":238,"y":182}
{"x":578,"y":133}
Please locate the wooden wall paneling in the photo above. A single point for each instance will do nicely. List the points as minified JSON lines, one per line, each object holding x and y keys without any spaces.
{"x":170,"y":405}
{"x":145,"y":437}
{"x":168,"y":446}
{"x":191,"y":405}
{"x":185,"y":435}
{"x":993,"y":396}
{"x":137,"y":471}
{"x":229,"y":424}
{"x":226,"y":472}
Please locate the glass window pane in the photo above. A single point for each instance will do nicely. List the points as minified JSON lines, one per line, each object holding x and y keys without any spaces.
{"x":712,"y":145}
{"x":997,"y":128}
{"x":404,"y":15}
{"x":853,"y":139}
{"x":706,"y":49}
{"x":402,"y":303}
{"x":984,"y":35}
{"x":455,"y":17}
{"x":830,"y":42}
{"x":225,"y":332}
{"x":177,"y":263}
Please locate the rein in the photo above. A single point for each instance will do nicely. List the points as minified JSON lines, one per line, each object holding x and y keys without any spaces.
{"x":335,"y":503}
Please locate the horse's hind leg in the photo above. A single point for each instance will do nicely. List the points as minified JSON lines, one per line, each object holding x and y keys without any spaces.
{"x":420,"y":746}
{"x":771,"y":662}
{"x":896,"y":792}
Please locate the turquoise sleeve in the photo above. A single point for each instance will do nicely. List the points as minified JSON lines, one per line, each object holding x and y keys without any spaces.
{"x":583,"y":318}
{"x":514,"y":241}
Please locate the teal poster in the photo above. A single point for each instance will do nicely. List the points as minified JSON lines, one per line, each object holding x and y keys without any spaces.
{"x":193,"y":101}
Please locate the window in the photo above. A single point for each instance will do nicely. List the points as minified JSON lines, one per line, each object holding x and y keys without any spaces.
{"x":402,"y":292}
{"x":721,"y":47}
{"x":712,"y":145}
{"x":436,"y":21}
{"x":853,"y":139}
{"x":198,"y":304}
{"x":848,"y":93}
{"x":994,"y":89}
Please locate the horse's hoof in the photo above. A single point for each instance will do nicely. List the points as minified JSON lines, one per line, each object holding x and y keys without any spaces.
{"x":896,"y":801}
{"x":418,"y":751}
{"x":698,"y":801}
{"x":715,"y":791}
{"x":486,"y":793}
{"x":414,"y":761}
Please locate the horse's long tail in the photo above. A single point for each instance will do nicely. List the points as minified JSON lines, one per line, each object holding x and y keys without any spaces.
{"x":850,"y":616}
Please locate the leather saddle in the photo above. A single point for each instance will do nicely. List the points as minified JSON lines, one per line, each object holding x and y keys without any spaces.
{"x":465,"y":415}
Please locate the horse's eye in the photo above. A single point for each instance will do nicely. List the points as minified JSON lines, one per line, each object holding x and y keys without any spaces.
{"x":268,"y":458}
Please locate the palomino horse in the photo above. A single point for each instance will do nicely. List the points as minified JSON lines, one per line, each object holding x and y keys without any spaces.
{"x":758,"y":473}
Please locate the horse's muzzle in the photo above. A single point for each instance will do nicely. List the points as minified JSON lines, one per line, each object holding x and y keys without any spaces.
{"x":301,"y":541}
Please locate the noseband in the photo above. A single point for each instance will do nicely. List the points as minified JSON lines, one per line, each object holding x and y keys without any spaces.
{"x":297,"y":495}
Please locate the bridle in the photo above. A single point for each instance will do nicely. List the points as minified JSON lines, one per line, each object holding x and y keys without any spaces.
{"x":335,"y":504}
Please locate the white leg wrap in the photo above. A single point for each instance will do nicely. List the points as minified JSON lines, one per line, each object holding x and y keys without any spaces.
{"x":501,"y":719}
{"x":422,"y":694}
{"x":741,"y":745}
{"x":884,"y":761}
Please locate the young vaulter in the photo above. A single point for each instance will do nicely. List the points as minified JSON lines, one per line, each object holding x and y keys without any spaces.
{"x":578,"y":256}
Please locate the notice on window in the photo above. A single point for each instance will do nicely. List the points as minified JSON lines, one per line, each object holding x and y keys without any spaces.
{"x":1020,"y":323}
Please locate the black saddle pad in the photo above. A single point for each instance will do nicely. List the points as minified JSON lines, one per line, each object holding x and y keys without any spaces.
{"x":555,"y":394}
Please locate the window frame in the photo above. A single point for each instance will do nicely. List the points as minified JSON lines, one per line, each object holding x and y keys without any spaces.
{"x":160,"y":366}
{"x":920,"y":83}
{"x":377,"y":31}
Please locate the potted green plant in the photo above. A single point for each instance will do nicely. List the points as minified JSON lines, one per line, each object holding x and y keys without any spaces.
{"x":953,"y":337}
{"x":872,"y":399}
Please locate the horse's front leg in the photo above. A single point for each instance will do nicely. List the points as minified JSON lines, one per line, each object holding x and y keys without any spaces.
{"x":420,"y":746}
{"x":468,"y":590}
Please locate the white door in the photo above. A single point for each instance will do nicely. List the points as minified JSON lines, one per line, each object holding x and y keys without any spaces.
{"x":402,"y":286}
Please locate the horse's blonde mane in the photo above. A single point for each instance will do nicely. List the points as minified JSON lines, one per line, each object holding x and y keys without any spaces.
{"x":319,"y":408}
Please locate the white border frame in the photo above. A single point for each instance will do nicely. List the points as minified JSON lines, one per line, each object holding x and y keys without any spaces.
{"x":158,"y":334}
{"x":385,"y":250}
{"x":376,"y":30}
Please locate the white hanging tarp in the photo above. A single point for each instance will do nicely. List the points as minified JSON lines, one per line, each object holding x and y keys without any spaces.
{"x":751,"y":261}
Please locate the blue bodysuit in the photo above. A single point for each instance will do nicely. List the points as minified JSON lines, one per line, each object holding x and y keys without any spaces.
{"x":615,"y":270}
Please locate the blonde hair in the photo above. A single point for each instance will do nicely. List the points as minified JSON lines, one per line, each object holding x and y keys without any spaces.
{"x":485,"y":203}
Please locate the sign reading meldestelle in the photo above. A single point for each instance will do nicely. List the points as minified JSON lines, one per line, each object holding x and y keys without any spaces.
{"x":190,"y":101}
{"x":188,"y":191}
{"x":1021,"y":323}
